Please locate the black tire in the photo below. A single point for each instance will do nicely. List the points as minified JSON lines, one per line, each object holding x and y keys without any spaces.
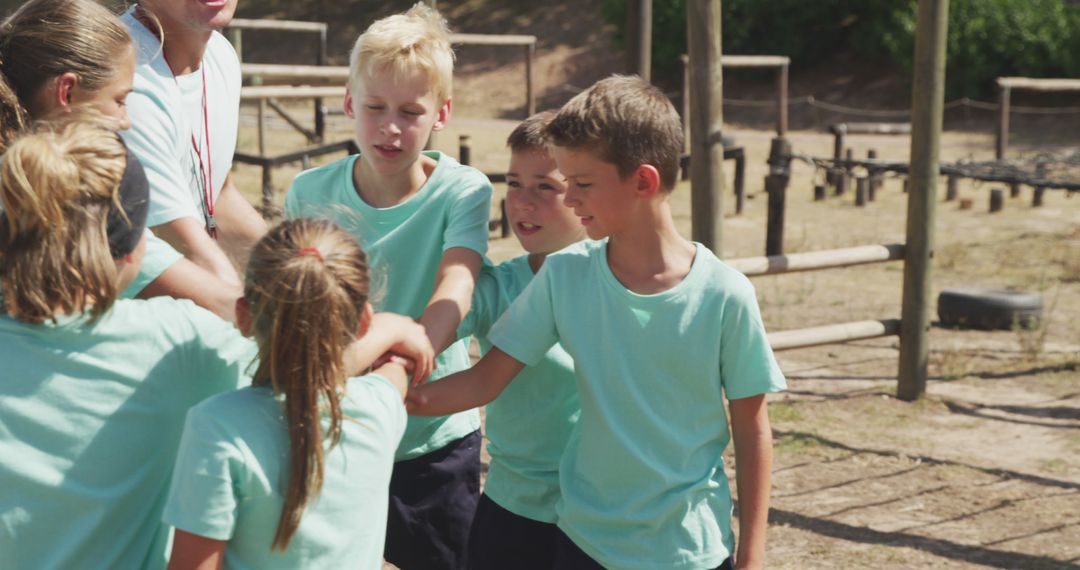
{"x":989,"y":308}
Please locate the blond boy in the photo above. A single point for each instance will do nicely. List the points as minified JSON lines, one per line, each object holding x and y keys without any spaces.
{"x":529,"y":425}
{"x":661,"y":332}
{"x":422,"y":218}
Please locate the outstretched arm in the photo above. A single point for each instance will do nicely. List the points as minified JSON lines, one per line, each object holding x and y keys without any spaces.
{"x":400,"y":335}
{"x":186,"y":280}
{"x":467,"y":389}
{"x":239,"y":224}
{"x":452,"y":297}
{"x":753,"y":476}
{"x":194,"y":552}
{"x":189,"y":237}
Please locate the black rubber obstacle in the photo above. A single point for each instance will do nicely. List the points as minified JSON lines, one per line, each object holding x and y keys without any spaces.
{"x":989,"y":308}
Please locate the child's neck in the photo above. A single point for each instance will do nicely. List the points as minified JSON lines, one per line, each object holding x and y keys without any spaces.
{"x":650,"y":256}
{"x":536,"y":261}
{"x":383,"y":190}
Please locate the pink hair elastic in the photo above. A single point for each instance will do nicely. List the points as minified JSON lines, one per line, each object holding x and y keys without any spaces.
{"x":310,"y":251}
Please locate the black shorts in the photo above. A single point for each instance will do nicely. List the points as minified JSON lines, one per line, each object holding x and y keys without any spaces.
{"x":432,"y":502}
{"x":502,"y":540}
{"x":569,"y":557}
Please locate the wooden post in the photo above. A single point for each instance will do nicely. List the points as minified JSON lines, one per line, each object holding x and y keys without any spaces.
{"x":464,"y":150}
{"x":740,"y":182}
{"x":530,"y":93}
{"x":1014,"y":189}
{"x":236,"y":38}
{"x":706,"y":120}
{"x":951,"y":190}
{"x":782,"y":101}
{"x":997,"y":199}
{"x":1037,"y":196}
{"x":776,"y":187}
{"x":261,"y":124}
{"x":861,"y":185}
{"x":1002,"y":145}
{"x":875,"y":176}
{"x":639,"y":38}
{"x":685,"y":61}
{"x":320,"y":109}
{"x":928,"y":105}
{"x":819,"y":192}
{"x":504,"y":222}
{"x":838,"y":152}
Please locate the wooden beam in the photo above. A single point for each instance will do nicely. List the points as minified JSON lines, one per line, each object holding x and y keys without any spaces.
{"x":254,"y":93}
{"x":927,"y":113}
{"x":816,"y":260}
{"x":756,"y":60}
{"x":280,"y":25}
{"x":830,"y":334}
{"x":272,"y":71}
{"x":706,"y":122}
{"x":492,"y":39}
{"x":1032,"y":84}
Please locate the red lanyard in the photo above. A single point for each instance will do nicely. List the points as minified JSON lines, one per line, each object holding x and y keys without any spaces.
{"x":206,"y":169}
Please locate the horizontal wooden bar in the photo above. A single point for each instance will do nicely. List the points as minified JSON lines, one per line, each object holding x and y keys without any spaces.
{"x":815,"y":260}
{"x":872,"y":128}
{"x":1033,"y":84}
{"x":254,"y":93}
{"x":282,"y":25}
{"x":754,"y":60}
{"x":273,"y":71}
{"x":493,"y":39}
{"x":829,"y":334}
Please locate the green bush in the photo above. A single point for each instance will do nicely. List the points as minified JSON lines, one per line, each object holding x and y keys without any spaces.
{"x":987,"y":38}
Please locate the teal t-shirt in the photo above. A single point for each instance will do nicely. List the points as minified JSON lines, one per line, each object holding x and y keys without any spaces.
{"x":529,"y":424}
{"x":159,"y":257}
{"x":642,"y":480}
{"x":90,"y":420}
{"x":405,"y":244}
{"x":232,"y":475}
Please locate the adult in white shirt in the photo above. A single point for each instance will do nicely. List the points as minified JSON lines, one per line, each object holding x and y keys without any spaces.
{"x":184,"y":113}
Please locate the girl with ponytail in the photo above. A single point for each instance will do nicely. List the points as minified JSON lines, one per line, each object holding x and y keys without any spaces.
{"x":94,"y":389}
{"x":294,"y":471}
{"x":58,"y":56}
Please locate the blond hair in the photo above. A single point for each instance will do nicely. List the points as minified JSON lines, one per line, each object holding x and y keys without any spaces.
{"x":403,"y":45}
{"x":307,"y":286}
{"x":44,"y":39}
{"x":57,"y":186}
{"x":529,"y":135}
{"x":625,"y":121}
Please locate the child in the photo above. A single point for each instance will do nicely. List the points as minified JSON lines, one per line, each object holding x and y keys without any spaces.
{"x":294,"y":471}
{"x":422,"y":218}
{"x":660,"y":332}
{"x":94,"y":389}
{"x":64,"y":55}
{"x":529,"y":425}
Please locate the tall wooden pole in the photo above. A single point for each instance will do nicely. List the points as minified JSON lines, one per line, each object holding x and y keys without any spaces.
{"x":639,"y":38}
{"x":706,"y":122}
{"x":927,"y":107}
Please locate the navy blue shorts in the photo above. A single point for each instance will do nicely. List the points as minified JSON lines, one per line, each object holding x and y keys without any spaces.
{"x":432,"y":502}
{"x":502,"y":540}
{"x":569,"y":557}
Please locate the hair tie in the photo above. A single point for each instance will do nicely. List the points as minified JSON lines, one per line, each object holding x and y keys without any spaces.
{"x":311,"y":251}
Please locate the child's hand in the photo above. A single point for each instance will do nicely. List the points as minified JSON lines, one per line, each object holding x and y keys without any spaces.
{"x":409,"y":340}
{"x":414,"y":400}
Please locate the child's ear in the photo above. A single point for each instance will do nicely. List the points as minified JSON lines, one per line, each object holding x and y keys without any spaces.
{"x":348,"y":101}
{"x":63,"y":89}
{"x":365,"y":320}
{"x":244,"y":320}
{"x":443,"y":116}
{"x":648,"y":180}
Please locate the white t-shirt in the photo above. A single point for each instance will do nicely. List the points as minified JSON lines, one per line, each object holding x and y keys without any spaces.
{"x":167,"y":115}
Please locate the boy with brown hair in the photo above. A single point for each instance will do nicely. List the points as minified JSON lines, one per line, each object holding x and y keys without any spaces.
{"x":661,"y":332}
{"x":422,"y":219}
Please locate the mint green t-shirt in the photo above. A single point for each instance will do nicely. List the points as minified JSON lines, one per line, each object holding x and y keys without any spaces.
{"x":90,"y":420}
{"x":405,"y":244}
{"x":232,"y":475}
{"x":642,"y":480}
{"x":529,"y":424}
{"x":159,"y":257}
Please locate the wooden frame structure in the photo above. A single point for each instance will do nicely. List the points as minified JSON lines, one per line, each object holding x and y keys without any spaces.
{"x":1005,"y":87}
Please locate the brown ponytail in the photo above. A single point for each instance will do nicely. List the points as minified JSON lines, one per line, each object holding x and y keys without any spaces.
{"x":307,"y":285}
{"x":57,"y":187}
{"x":44,"y":39}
